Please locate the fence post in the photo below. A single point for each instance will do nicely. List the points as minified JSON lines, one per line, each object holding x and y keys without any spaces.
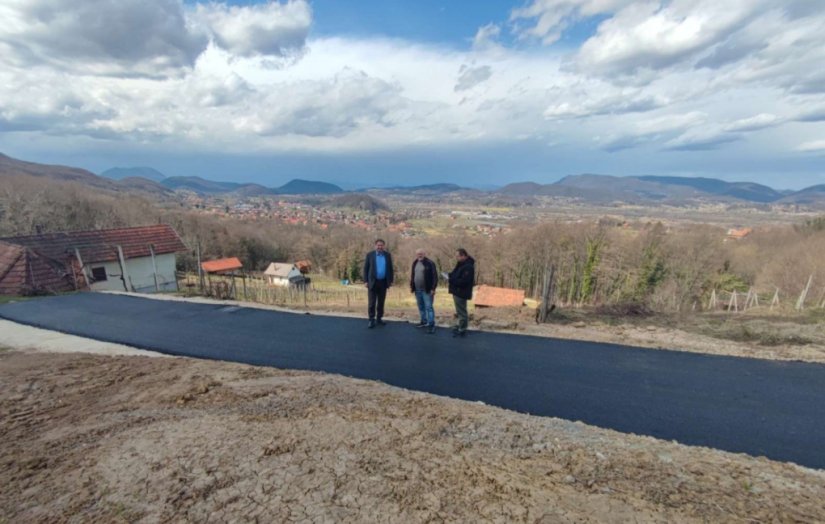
{"x":800,"y":304}
{"x":733,"y":303}
{"x":775,"y":300}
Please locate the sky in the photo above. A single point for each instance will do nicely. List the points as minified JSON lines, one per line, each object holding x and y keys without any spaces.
{"x":388,"y":92}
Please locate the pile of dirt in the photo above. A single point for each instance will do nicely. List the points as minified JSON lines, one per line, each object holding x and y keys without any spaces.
{"x":128,"y":438}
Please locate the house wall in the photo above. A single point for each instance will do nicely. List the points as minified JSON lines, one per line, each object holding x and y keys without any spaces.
{"x":284,"y":282}
{"x":278,"y":281}
{"x":140,"y":274}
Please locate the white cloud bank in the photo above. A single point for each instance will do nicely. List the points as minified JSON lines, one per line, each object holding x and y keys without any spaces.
{"x":667,"y":76}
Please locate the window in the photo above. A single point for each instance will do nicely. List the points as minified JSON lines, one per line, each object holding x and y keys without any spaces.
{"x":99,"y":274}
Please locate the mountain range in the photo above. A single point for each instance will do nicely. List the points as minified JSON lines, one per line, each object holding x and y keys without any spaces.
{"x":650,"y":190}
{"x":663,"y":190}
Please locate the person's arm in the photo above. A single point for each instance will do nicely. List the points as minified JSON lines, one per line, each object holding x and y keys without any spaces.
{"x":464,"y":277}
{"x":412,"y":277}
{"x":366,"y":270}
{"x":390,"y":274}
{"x":434,"y":271}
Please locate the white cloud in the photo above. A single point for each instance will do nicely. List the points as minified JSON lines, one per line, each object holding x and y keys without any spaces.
{"x":709,"y":87}
{"x":814,"y":146}
{"x":265,"y":29}
{"x":552,"y":17}
{"x":469,"y":77}
{"x":701,"y":140}
{"x":99,"y":36}
{"x":487,"y":37}
{"x":651,"y":36}
{"x":754,"y":123}
{"x":143,"y":37}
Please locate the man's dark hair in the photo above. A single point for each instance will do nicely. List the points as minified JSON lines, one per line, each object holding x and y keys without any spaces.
{"x":377,"y":240}
{"x":462,"y":252}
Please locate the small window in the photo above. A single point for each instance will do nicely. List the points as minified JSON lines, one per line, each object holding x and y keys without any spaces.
{"x":99,"y":274}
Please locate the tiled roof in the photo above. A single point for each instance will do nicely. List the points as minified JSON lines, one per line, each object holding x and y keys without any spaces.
{"x":740,"y":233}
{"x":279,"y":269}
{"x":498,"y":296}
{"x":99,"y":245}
{"x":222,"y":264}
{"x":24,"y":272}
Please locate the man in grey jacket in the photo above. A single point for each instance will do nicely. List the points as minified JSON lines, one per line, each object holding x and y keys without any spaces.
{"x":423,"y":281}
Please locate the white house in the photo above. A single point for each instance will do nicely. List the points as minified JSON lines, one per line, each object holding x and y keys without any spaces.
{"x":283,"y":274}
{"x":131,"y":259}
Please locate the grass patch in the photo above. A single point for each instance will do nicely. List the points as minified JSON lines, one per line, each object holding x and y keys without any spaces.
{"x":7,"y":299}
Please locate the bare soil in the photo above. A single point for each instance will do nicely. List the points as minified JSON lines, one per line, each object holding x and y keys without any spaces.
{"x":130,"y":438}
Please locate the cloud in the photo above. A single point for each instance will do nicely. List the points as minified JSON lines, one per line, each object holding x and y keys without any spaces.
{"x":144,"y":37}
{"x":814,"y":146}
{"x":343,"y":104}
{"x":812,"y":115}
{"x":470,"y":77}
{"x":700,"y":140}
{"x":647,"y":35}
{"x":552,"y":17}
{"x":487,"y":37}
{"x":610,"y":101}
{"x":754,"y":123}
{"x":132,"y":37}
{"x":271,"y":29}
{"x":652,"y":129}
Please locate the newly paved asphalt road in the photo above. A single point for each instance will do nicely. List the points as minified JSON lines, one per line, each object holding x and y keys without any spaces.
{"x":770,"y":408}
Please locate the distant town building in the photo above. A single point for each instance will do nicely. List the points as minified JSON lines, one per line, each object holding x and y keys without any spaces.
{"x":304,"y":266}
{"x":283,"y":274}
{"x":739,"y":233}
{"x":222,"y":266}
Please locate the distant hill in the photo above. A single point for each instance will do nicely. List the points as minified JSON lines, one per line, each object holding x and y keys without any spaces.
{"x":199,"y":185}
{"x":520,"y":188}
{"x":308,"y":187}
{"x":359,"y":201}
{"x":651,"y":189}
{"x":426,"y":188}
{"x":742,"y":190}
{"x":143,"y":185}
{"x":119,"y":173}
{"x":11,"y":166}
{"x":814,"y":195}
{"x":211,"y":187}
{"x":248,"y":190}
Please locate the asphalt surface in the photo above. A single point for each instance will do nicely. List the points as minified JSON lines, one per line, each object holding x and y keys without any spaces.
{"x":770,"y":408}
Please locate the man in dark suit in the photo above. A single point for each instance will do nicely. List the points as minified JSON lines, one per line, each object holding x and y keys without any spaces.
{"x":378,"y":275}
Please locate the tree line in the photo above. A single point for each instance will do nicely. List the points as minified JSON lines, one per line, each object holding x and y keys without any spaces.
{"x":663,"y":267}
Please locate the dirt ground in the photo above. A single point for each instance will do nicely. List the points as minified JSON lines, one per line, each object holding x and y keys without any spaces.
{"x":131,"y":438}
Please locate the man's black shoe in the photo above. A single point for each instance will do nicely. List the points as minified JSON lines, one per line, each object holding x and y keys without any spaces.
{"x":421,"y":324}
{"x":381,"y":322}
{"x":457,"y":333}
{"x":371,"y":324}
{"x":431,"y":329}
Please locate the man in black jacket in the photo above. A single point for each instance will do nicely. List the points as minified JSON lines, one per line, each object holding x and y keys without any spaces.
{"x":423,"y":281}
{"x":461,"y":280}
{"x":378,"y":276}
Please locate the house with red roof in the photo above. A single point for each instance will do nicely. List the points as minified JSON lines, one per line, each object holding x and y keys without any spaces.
{"x":222,"y":266}
{"x":127,"y":259}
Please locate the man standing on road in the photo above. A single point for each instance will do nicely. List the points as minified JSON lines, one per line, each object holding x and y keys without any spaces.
{"x":461,"y":280}
{"x":378,"y":275}
{"x":423,"y":281}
